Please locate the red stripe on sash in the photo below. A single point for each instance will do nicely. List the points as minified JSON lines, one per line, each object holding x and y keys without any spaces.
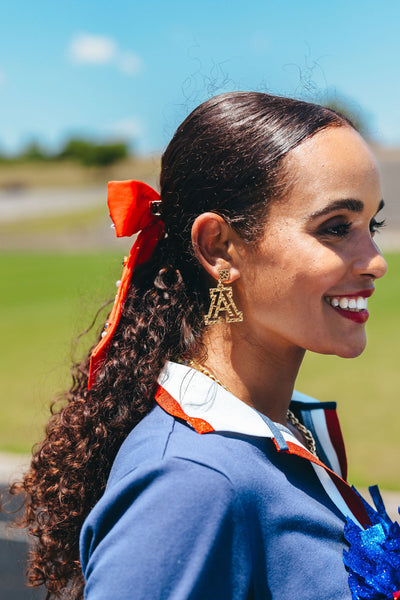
{"x":335,"y":434}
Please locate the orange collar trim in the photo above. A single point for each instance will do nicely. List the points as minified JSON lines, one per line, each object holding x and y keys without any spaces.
{"x":172,"y":407}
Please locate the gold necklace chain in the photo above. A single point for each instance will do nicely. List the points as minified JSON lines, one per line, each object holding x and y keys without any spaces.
{"x":306,"y":433}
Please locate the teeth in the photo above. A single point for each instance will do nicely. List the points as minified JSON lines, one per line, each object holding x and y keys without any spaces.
{"x":351,"y":304}
{"x":361,"y":303}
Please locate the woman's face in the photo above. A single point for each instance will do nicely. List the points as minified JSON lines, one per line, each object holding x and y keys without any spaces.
{"x":307,"y":283}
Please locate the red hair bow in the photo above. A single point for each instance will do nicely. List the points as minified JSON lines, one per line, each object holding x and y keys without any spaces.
{"x":131,"y":206}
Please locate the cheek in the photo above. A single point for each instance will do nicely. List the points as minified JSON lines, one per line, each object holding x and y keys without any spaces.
{"x":291,"y":268}
{"x":316,"y":268}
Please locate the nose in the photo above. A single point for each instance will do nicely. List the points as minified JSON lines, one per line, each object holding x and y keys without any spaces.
{"x":370,"y":262}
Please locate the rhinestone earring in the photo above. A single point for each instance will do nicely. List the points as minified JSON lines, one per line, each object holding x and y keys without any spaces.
{"x":222,"y":302}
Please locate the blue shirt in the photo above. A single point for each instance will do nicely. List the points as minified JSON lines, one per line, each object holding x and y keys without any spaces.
{"x":222,"y":515}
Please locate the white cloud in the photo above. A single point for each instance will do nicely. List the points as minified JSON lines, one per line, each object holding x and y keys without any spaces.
{"x":92,"y":49}
{"x":87,"y":48}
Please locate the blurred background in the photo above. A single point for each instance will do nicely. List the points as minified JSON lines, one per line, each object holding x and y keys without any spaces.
{"x":91,"y":91}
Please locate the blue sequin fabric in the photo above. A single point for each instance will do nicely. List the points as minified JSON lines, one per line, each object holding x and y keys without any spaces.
{"x":373,"y":558}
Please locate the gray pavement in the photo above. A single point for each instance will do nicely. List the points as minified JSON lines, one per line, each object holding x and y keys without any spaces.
{"x":14,"y":544}
{"x":27,"y":203}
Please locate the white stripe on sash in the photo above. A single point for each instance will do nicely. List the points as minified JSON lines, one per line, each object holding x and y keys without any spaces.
{"x":334,"y":494}
{"x":321,"y":428}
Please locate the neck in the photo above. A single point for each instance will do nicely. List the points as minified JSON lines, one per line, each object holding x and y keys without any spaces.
{"x":261,"y":375}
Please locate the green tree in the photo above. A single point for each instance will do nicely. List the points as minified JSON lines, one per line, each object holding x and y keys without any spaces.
{"x":92,"y":154}
{"x":33,"y":152}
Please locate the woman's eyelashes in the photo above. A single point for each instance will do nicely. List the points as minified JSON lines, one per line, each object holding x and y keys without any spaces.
{"x":338,"y":229}
{"x":375,"y":225}
{"x":341,"y":229}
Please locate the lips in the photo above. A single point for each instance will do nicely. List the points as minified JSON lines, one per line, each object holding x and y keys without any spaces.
{"x":351,"y":306}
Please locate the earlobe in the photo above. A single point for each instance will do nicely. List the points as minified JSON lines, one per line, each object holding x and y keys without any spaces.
{"x":213,"y":244}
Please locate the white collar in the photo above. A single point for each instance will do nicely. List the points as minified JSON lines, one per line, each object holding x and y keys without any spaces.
{"x":201,"y":397}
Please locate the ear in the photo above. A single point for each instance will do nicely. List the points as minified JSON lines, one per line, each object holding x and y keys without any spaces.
{"x":214,"y":243}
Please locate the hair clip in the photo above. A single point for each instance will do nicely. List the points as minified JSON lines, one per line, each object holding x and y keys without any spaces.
{"x":155,"y":206}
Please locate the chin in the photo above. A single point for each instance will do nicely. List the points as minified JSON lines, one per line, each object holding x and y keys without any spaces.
{"x":345,"y":350}
{"x":352,"y":351}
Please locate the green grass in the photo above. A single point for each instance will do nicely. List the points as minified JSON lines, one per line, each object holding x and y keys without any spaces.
{"x":48,"y":299}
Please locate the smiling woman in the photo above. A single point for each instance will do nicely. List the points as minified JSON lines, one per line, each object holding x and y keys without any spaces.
{"x":318,"y":246}
{"x":183,"y":457}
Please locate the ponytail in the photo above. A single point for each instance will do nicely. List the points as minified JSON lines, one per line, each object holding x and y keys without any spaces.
{"x":160,"y":321}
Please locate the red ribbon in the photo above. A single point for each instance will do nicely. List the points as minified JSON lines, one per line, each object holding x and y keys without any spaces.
{"x":130,"y":204}
{"x":396,"y":595}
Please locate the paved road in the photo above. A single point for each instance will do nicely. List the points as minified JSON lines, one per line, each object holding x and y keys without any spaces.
{"x":13,"y":542}
{"x":13,"y":551}
{"x":36,"y":202}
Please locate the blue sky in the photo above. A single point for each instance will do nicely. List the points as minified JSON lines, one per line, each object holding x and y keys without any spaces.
{"x":135,"y":69}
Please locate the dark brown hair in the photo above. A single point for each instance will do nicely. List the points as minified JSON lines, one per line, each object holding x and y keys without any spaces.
{"x":227,"y":157}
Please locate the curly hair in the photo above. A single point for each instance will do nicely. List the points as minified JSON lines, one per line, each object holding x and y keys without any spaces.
{"x":227,"y":157}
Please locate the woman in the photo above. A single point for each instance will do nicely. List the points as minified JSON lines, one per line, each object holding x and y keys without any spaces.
{"x":224,"y":483}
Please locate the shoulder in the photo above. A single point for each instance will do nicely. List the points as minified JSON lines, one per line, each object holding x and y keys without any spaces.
{"x":165,"y":461}
{"x":168,"y":486}
{"x":160,"y":438}
{"x":165,"y":467}
{"x":159,"y":511}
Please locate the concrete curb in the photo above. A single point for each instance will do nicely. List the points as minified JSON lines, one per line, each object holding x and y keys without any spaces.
{"x":12,"y":466}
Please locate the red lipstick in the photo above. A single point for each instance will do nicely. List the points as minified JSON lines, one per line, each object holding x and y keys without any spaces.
{"x":357,"y":317}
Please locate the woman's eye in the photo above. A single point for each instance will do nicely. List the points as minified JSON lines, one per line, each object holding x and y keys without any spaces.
{"x":375,"y":225}
{"x":337,"y":230}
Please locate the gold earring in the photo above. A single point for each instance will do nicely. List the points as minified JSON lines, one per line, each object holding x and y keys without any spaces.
{"x":222,"y":301}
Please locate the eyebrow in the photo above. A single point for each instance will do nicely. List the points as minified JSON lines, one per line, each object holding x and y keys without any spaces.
{"x":350,"y":204}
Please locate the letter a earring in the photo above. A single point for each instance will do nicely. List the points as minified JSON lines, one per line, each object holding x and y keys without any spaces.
{"x":222,"y":302}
